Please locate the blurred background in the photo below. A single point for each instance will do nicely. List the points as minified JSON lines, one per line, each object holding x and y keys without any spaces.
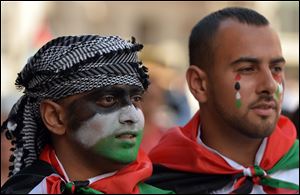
{"x":163,"y":28}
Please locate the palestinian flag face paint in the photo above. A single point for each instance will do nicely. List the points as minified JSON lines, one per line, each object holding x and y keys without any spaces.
{"x":237,"y":87}
{"x":108,"y":122}
{"x":279,"y":89}
{"x":110,"y":136}
{"x":120,"y":149}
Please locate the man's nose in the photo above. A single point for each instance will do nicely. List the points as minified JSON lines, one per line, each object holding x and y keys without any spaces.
{"x":267,"y":83}
{"x":128,"y":115}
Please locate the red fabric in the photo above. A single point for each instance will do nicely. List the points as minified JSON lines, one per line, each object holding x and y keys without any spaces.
{"x":270,"y":190}
{"x":48,"y":155}
{"x":280,"y":141}
{"x":152,"y":134}
{"x":124,"y":181}
{"x":178,"y":149}
{"x":53,"y":183}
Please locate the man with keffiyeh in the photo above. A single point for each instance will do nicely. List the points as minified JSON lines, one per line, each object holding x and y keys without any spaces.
{"x":79,"y":124}
{"x":237,"y":142}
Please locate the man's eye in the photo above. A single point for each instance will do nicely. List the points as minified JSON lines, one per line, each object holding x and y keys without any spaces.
{"x":277,"y":69}
{"x":106,"y":101}
{"x":109,"y":98}
{"x":136,"y":98}
{"x":246,"y":70}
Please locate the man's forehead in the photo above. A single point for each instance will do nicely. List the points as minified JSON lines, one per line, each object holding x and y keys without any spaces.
{"x":116,"y":88}
{"x":103,"y":90}
{"x":230,"y":22}
{"x":232,"y":28}
{"x":235,"y":39}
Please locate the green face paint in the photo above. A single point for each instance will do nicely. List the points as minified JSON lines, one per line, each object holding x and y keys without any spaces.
{"x":238,"y":103}
{"x":115,"y":136}
{"x":117,"y":149}
{"x":279,"y":91}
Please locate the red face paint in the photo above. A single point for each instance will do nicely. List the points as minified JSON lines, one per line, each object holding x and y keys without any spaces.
{"x":237,"y":77}
{"x":278,"y":78}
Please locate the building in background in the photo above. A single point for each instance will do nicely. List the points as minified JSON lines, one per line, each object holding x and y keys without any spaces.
{"x":163,"y":27}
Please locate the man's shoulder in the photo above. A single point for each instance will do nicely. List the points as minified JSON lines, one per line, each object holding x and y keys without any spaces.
{"x":25,"y":180}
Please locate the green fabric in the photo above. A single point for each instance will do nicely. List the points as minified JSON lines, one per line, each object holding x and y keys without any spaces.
{"x":289,"y":161}
{"x":80,"y":190}
{"x":259,"y":171}
{"x":68,"y":187}
{"x":276,"y":183}
{"x":88,"y":190}
{"x":148,"y":189}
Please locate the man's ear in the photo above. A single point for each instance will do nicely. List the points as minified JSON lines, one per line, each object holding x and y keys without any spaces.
{"x":197,"y":81}
{"x":53,"y":116}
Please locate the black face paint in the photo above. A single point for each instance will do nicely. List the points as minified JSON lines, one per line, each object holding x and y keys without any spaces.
{"x":103,"y":101}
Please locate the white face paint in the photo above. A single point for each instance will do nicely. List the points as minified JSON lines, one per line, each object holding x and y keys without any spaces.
{"x":280,"y":88}
{"x":103,"y":125}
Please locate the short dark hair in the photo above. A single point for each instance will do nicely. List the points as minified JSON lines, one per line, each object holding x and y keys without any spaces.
{"x":202,"y":35}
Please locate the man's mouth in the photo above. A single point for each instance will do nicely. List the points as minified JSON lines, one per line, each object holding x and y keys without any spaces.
{"x":126,"y":135}
{"x":264,"y":109}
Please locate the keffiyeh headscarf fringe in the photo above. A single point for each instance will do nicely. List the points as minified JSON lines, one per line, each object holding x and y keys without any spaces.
{"x":66,"y":66}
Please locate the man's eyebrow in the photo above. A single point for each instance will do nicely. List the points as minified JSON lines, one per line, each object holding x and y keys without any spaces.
{"x":246,"y":59}
{"x":137,"y":90}
{"x":115,"y":89}
{"x":277,"y":60}
{"x":257,"y":61}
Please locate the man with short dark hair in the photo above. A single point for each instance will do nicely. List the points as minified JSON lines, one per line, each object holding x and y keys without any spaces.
{"x":78,"y":127}
{"x":238,"y":142}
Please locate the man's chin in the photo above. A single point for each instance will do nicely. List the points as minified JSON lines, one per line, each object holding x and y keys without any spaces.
{"x":125,"y":159}
{"x":259,"y":130}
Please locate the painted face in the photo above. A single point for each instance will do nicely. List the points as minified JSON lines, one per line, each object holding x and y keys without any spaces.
{"x":248,"y":62}
{"x":109,"y":122}
{"x":279,"y":90}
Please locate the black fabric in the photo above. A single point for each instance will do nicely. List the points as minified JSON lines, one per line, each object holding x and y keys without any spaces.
{"x":246,"y":187}
{"x":25,"y":180}
{"x":185,"y":182}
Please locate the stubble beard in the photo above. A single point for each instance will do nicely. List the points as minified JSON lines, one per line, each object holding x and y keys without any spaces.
{"x":241,"y":122}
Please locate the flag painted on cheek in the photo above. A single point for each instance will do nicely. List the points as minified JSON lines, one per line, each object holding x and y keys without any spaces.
{"x":237,"y":87}
{"x":279,"y":89}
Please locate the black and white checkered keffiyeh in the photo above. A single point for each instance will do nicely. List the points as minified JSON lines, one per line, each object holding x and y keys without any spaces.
{"x":66,"y":66}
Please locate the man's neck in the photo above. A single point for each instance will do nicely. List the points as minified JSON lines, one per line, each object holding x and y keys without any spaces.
{"x":229,"y":142}
{"x":81,"y":165}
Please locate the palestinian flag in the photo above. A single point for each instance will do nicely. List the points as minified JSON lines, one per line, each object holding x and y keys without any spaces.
{"x":47,"y":176}
{"x":183,"y":165}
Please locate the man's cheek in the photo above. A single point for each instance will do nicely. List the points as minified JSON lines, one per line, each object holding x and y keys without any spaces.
{"x":78,"y":113}
{"x":91,"y":131}
{"x":118,"y":150}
